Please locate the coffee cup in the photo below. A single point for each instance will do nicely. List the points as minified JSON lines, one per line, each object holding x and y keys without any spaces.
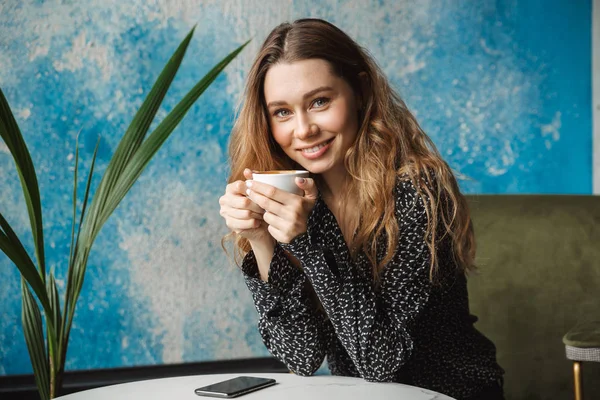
{"x":281,"y":179}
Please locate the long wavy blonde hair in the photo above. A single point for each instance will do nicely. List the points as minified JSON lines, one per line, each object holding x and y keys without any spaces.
{"x":389,"y":143}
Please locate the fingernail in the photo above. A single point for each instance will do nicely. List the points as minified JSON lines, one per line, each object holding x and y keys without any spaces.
{"x":249,"y":184}
{"x":301,"y":180}
{"x":248,"y":192}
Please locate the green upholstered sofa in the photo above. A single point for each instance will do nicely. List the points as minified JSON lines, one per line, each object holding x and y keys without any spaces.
{"x":539,"y":274}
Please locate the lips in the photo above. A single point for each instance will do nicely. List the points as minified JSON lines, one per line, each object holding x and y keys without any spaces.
{"x":317,"y":147}
{"x":316,"y":151}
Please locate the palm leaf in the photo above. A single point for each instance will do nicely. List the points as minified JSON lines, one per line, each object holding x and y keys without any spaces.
{"x":68,"y":292}
{"x":53,"y":296}
{"x":54,"y":356}
{"x":70,"y":297}
{"x":12,"y":247}
{"x":134,"y":136}
{"x":11,"y":134}
{"x":34,"y":337}
{"x":140,"y":159}
{"x":147,"y":150}
{"x":129,"y":144}
{"x":74,"y":217}
{"x":143,"y":118}
{"x":135,"y":167}
{"x":128,"y":162}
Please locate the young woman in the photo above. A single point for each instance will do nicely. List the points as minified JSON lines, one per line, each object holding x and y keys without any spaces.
{"x":368,"y":267}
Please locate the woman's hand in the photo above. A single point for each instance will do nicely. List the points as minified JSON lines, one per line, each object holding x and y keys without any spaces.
{"x":286,"y":214}
{"x":242,"y":215}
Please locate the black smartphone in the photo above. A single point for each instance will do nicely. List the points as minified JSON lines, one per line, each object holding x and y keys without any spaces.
{"x":234,"y":387}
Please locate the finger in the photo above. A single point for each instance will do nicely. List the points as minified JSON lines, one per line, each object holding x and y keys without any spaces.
{"x":275,"y":233}
{"x":237,"y":187}
{"x":273,"y":193}
{"x":286,"y":228}
{"x":241,"y":202}
{"x":245,"y":203}
{"x":241,"y":224}
{"x":265,"y":202}
{"x":274,"y":220}
{"x":309,"y":187}
{"x":278,"y":235}
{"x":227,"y":211}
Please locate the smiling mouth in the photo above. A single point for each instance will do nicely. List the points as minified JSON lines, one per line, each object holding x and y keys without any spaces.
{"x":316,"y":148}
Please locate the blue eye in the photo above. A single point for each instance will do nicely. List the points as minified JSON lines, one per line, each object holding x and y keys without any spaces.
{"x":281,"y":113}
{"x":320,"y":102}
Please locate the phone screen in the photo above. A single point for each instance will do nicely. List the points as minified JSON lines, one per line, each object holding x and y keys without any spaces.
{"x":234,"y":387}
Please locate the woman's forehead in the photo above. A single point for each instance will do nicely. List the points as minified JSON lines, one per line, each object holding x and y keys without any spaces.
{"x":285,"y":80}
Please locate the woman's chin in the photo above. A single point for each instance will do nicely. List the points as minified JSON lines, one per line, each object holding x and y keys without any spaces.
{"x":314,"y":169}
{"x":318,"y":170}
{"x":317,"y":167}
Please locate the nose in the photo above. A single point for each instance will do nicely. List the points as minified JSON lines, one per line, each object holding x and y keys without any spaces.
{"x":304,"y":128}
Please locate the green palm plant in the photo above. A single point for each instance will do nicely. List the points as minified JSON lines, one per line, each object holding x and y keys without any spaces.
{"x":47,"y":337}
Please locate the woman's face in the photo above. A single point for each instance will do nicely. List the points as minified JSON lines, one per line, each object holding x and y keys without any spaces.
{"x":312,"y":113}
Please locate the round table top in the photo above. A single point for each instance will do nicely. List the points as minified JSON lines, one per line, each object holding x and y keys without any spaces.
{"x":289,"y":387}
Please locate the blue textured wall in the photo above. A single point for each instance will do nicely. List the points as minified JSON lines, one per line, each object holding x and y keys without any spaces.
{"x":503,"y":87}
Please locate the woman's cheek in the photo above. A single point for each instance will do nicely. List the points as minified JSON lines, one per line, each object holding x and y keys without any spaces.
{"x":280,"y":135}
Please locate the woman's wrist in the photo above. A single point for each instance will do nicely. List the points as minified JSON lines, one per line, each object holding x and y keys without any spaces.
{"x":263,"y":252}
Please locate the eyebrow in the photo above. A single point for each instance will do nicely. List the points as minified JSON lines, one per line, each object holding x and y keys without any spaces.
{"x":306,"y":95}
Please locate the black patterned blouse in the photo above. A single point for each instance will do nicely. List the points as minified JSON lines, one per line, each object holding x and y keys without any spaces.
{"x":405,"y":329}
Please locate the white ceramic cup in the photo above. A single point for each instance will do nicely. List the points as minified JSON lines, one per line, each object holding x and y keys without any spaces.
{"x":284,"y":180}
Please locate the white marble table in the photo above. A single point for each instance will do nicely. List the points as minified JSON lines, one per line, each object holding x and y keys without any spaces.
{"x":289,"y":387}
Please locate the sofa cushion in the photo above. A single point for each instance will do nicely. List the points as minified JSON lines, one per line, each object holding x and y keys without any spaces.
{"x":584,"y":335}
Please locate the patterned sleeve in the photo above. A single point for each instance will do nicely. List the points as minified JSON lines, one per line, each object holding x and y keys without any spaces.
{"x":374,"y":325}
{"x":289,"y":323}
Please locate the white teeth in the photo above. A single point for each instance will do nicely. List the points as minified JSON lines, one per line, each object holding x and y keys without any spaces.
{"x":316,"y":148}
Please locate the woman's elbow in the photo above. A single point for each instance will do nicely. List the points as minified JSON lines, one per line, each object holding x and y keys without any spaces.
{"x":304,"y":365}
{"x":304,"y":370}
